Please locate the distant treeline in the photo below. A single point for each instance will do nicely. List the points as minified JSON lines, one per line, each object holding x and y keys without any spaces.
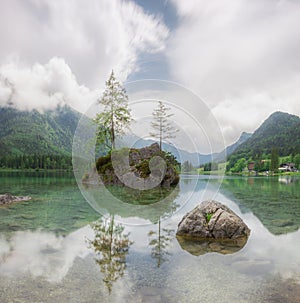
{"x":36,"y":162}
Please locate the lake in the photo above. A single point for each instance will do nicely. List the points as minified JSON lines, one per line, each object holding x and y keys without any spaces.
{"x":57,"y":247}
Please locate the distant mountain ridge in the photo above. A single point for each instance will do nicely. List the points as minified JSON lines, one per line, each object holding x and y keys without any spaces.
{"x":196,"y":159}
{"x":32,"y":132}
{"x":243,"y":138}
{"x":51,"y":133}
{"x":280,"y":130}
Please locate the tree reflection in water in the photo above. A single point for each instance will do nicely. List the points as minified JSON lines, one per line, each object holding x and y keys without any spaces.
{"x":111,"y":247}
{"x":160,"y":240}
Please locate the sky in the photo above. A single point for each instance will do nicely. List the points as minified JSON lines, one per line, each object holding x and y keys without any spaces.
{"x":241,"y":57}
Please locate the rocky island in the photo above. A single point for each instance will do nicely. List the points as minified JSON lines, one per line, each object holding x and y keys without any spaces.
{"x":142,"y":168}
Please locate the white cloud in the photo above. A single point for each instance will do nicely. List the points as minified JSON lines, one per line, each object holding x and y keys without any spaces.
{"x":241,"y":56}
{"x":26,"y":252}
{"x":91,"y":38}
{"x":42,"y":86}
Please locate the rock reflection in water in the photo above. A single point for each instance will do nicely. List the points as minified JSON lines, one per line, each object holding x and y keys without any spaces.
{"x":127,"y":203}
{"x":201,"y":247}
{"x":111,"y":247}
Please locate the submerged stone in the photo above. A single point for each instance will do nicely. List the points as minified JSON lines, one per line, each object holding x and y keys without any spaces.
{"x":212,"y":226}
{"x":8,"y":198}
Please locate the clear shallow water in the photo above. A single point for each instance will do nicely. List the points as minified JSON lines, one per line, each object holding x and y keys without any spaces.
{"x":49,"y":252}
{"x":57,"y":205}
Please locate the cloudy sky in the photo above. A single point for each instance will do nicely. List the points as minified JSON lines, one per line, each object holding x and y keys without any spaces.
{"x":242,"y":57}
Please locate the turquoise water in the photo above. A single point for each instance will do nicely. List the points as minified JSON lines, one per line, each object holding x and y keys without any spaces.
{"x":275,"y":201}
{"x":56,"y":206}
{"x":50,"y":249}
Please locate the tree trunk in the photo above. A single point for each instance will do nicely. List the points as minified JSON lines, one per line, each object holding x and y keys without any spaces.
{"x":160,"y":135}
{"x":112,"y":128}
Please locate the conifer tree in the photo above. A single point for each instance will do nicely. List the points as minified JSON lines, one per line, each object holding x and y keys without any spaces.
{"x":274,"y":160}
{"x":116,"y":116}
{"x":111,"y":247}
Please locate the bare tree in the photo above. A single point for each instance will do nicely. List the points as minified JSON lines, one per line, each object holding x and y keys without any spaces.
{"x":162,"y":124}
{"x":160,"y":240}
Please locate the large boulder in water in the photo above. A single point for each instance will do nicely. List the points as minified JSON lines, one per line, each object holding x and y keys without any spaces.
{"x":213,"y":220}
{"x":212,"y":226}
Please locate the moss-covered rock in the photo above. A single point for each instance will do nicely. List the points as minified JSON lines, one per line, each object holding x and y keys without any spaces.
{"x":138,"y":166}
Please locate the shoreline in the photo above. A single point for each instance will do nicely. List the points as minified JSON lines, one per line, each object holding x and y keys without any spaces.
{"x":12,"y":170}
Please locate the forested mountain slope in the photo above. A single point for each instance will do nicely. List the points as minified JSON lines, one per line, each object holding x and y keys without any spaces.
{"x":32,"y":132}
{"x":280,"y":130}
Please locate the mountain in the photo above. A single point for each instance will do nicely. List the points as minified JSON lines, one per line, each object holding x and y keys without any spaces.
{"x":243,"y":138}
{"x":181,"y":155}
{"x":221,"y":157}
{"x":280,"y":130}
{"x":196,"y":159}
{"x":199,"y":159}
{"x":32,"y":132}
{"x":51,"y":133}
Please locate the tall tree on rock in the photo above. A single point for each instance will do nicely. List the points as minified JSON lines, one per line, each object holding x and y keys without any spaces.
{"x":116,"y":116}
{"x":162,"y":124}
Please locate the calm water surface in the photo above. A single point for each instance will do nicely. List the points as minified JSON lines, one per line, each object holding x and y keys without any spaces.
{"x":50,"y":249}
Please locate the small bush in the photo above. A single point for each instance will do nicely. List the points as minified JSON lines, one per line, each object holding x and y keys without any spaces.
{"x":143,"y":168}
{"x":208,"y":217}
{"x":102,"y":161}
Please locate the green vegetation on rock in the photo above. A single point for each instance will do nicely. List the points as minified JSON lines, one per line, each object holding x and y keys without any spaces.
{"x":208,"y":217}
